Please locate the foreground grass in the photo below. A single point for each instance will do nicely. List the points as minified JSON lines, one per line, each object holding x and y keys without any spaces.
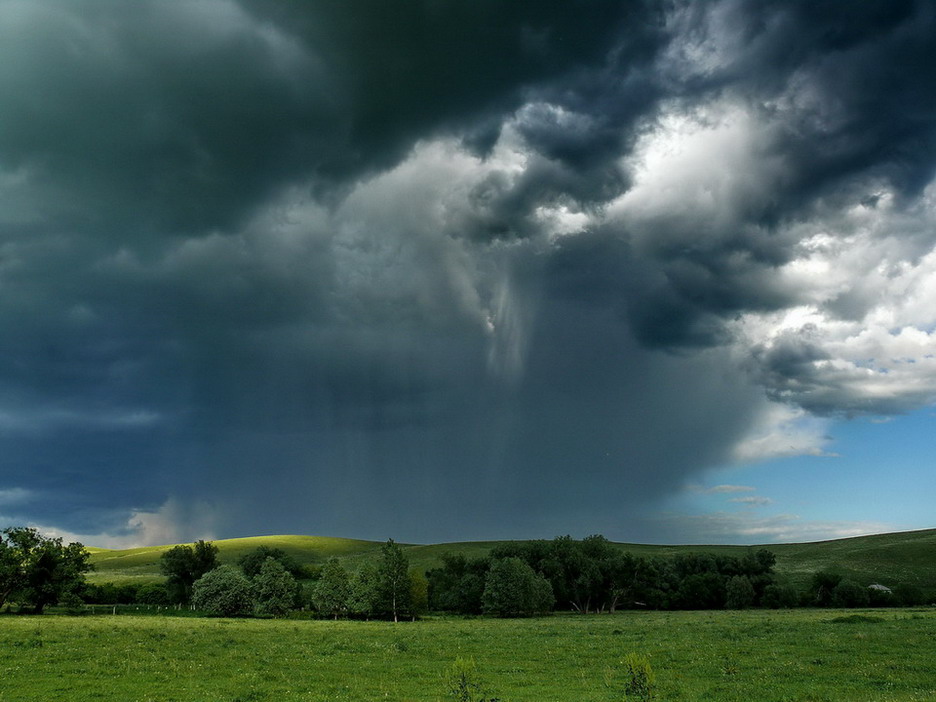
{"x":783,"y":656}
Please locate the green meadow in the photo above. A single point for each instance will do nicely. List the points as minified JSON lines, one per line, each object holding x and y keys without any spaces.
{"x":782,"y":656}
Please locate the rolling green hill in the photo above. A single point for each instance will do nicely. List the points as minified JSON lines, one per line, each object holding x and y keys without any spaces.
{"x":908,"y":557}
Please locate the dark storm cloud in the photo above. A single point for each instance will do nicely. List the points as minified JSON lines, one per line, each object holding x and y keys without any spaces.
{"x":441,"y":270}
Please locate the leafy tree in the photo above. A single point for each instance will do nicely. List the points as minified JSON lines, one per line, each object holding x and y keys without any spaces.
{"x":364,"y":595}
{"x":393,"y":580}
{"x":513,"y":588}
{"x":739,"y":593}
{"x":275,"y":589}
{"x":822,"y":585}
{"x":458,"y":585}
{"x":908,"y":595}
{"x":39,"y":570}
{"x":419,"y":592}
{"x":704,"y":590}
{"x":224,"y":591}
{"x":778,"y":596}
{"x":183,"y":565}
{"x":848,"y":593}
{"x":333,"y":589}
{"x":252,"y":562}
{"x":879,"y":596}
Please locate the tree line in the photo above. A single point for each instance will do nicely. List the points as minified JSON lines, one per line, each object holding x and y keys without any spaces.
{"x":593,"y":575}
{"x":514,"y":579}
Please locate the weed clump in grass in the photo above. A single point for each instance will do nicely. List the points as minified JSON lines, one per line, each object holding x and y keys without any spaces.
{"x":641,"y":680}
{"x":462,"y":683}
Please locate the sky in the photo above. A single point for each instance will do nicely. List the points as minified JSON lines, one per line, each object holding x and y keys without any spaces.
{"x":443,"y":271}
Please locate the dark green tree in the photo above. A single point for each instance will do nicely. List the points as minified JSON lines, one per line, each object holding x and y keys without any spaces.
{"x":777,"y":596}
{"x":224,"y":592}
{"x":275,"y":589}
{"x":251,"y":562}
{"x":183,"y":565}
{"x":458,"y":585}
{"x":739,"y":593}
{"x":419,"y":592}
{"x":364,"y":595}
{"x":39,"y":570}
{"x":514,"y":589}
{"x":848,"y":593}
{"x":153,"y":594}
{"x":704,"y":590}
{"x":333,"y":589}
{"x":822,"y":585}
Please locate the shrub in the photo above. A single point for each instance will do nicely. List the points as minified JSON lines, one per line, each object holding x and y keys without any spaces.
{"x":640,"y":677}
{"x":224,"y":592}
{"x":462,"y":683}
{"x":153,"y":594}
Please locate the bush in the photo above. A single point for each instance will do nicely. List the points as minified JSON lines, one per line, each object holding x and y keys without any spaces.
{"x":153,"y":594}
{"x":224,"y":592}
{"x":640,"y":678}
{"x":462,"y":683}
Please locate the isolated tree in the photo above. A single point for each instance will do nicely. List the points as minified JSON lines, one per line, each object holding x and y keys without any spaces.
{"x":39,"y":570}
{"x":333,"y":589}
{"x":224,"y":591}
{"x":393,"y":580}
{"x":513,"y":589}
{"x":183,"y":565}
{"x":275,"y":589}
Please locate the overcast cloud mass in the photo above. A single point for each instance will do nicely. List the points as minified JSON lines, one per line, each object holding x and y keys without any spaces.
{"x":444,"y":271}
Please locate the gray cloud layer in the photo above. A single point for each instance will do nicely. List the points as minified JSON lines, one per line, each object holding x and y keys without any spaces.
{"x":448,"y":270}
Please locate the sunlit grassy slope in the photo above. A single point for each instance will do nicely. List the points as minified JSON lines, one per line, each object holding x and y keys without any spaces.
{"x":886,"y":558}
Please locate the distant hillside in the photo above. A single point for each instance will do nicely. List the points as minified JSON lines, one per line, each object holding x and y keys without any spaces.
{"x":908,"y":557}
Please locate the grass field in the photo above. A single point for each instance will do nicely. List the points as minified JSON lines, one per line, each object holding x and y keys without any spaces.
{"x":890,"y":559}
{"x":799,"y":655}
